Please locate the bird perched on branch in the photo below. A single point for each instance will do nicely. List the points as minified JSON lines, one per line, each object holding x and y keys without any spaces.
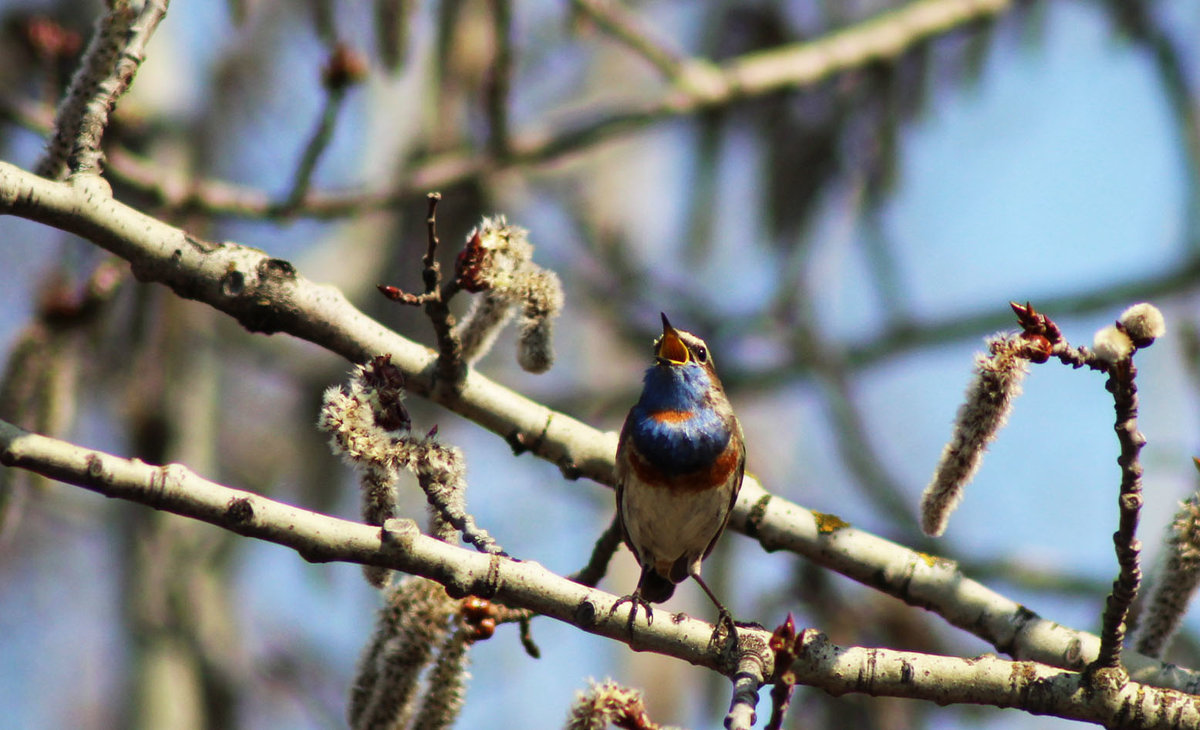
{"x":680,"y":461}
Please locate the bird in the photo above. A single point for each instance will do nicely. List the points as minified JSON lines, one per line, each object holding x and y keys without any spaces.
{"x":680,"y":461}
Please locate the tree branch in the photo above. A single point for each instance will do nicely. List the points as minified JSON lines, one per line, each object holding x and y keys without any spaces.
{"x":268,"y":295}
{"x":699,"y":85}
{"x":319,"y":538}
{"x":1033,"y":687}
{"x":399,"y":545}
{"x":934,"y":583}
{"x":623,"y":25}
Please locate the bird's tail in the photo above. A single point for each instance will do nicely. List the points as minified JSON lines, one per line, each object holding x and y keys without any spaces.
{"x":653,"y":587}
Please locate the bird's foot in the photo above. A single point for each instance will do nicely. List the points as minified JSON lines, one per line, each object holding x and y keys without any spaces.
{"x":635,"y":600}
{"x":725,"y":620}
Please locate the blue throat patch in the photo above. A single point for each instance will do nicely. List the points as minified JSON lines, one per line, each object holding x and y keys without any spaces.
{"x":686,"y":442}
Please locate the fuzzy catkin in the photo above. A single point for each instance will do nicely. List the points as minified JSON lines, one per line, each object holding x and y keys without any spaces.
{"x":482,"y":323}
{"x":1112,"y":345}
{"x":989,"y":400}
{"x":446,"y":685}
{"x":1176,"y":583}
{"x":441,"y":473}
{"x":368,"y":427}
{"x":497,"y":264}
{"x":543,"y":297}
{"x":606,"y":703}
{"x":1144,"y":323}
{"x":414,"y":621}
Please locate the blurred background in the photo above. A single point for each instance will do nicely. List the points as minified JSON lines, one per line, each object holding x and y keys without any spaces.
{"x":844,"y":246}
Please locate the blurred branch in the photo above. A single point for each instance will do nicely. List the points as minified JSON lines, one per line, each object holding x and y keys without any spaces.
{"x":614,"y":18}
{"x":267,"y":295}
{"x":1137,"y":20}
{"x":39,"y":385}
{"x":316,"y":146}
{"x":499,"y":79}
{"x":798,"y":65}
{"x":113,"y":56}
{"x":1178,"y":277}
{"x":1022,"y":573}
{"x":400,"y":546}
{"x":345,"y":68}
{"x":703,"y":85}
{"x":883,"y":490}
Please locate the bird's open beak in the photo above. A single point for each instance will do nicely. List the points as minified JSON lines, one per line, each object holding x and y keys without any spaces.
{"x":671,"y":350}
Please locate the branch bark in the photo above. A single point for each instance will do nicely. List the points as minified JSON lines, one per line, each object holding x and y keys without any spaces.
{"x":399,"y":545}
{"x":268,"y":295}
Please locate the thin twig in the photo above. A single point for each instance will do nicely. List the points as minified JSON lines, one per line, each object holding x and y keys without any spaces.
{"x":781,"y":701}
{"x":317,"y":144}
{"x":1122,"y":374}
{"x":450,"y":366}
{"x":499,"y":80}
{"x":613,"y":18}
{"x":590,"y":575}
{"x":602,"y":552}
{"x":1116,"y":611}
{"x":748,"y":677}
{"x":785,"y":644}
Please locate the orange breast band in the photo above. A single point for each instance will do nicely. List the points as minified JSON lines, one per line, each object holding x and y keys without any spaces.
{"x":671,"y":416}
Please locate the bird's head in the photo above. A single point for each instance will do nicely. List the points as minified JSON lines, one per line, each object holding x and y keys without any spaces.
{"x":676,"y":348}
{"x":682,"y":378}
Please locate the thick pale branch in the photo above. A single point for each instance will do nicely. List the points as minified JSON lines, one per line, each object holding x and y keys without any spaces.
{"x":399,"y":545}
{"x":1108,"y":699}
{"x":934,"y":583}
{"x":268,"y":295}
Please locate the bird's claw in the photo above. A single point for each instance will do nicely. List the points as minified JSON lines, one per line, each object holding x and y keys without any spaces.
{"x":635,"y":601}
{"x":725,"y":619}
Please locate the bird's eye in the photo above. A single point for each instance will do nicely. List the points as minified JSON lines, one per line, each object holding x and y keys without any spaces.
{"x":701,"y":354}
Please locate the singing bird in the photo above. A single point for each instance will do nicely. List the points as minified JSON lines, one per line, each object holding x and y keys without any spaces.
{"x":680,"y":460}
